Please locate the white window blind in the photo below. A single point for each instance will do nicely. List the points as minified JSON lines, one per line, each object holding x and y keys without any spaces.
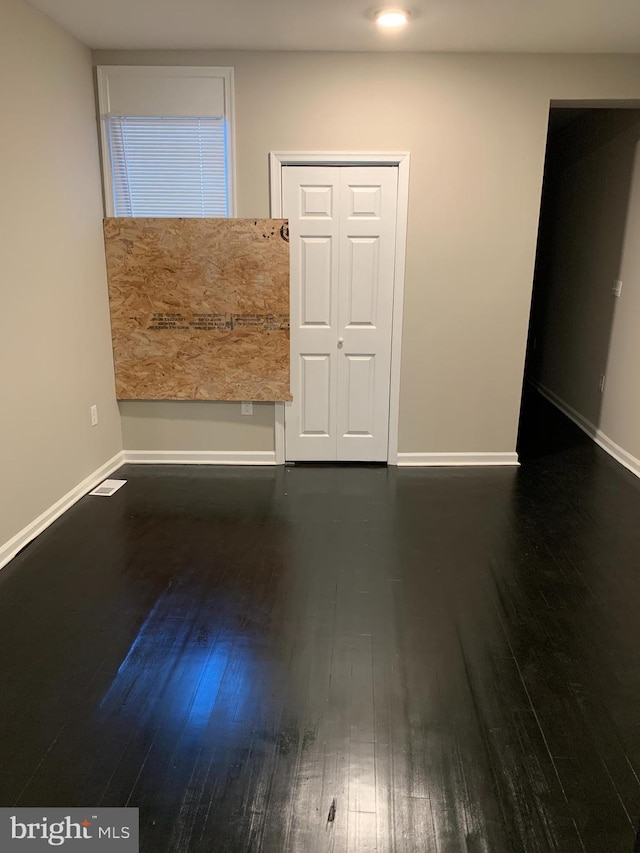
{"x":168,"y":166}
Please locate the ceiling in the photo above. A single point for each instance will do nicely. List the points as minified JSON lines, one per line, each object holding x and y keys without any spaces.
{"x":556,"y":26}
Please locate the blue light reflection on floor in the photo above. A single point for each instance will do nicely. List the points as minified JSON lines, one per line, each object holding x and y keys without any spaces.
{"x":183,"y":669}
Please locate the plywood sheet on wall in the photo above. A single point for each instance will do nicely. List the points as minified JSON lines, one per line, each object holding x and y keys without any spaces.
{"x":199,"y":308}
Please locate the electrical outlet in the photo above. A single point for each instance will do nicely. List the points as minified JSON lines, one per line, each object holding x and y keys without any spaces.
{"x":94,"y":416}
{"x":602,"y":383}
{"x":246,"y":408}
{"x":617,"y":288}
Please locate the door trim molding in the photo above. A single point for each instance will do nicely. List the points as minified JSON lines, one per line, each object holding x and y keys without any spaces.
{"x":277,"y":161}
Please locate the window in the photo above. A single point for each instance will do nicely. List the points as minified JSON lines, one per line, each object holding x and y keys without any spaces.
{"x":167,"y":166}
{"x":166,"y":140}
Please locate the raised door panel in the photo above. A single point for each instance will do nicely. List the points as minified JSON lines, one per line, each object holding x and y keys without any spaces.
{"x":315,"y":281}
{"x":359,"y":390}
{"x":363,"y":201}
{"x":362,"y":281}
{"x":314,"y":395}
{"x":316,"y":201}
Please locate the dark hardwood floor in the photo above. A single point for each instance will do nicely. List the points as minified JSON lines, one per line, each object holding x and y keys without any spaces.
{"x":338,"y":658}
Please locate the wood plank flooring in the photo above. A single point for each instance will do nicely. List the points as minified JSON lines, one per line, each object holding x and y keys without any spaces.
{"x":338,"y":658}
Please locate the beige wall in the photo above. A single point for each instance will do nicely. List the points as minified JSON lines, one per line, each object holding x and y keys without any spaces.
{"x":590,"y":222}
{"x":476,"y":129}
{"x":186,"y":425}
{"x":55,"y":352}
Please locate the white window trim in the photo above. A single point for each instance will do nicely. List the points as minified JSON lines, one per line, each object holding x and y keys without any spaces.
{"x":401,"y":159}
{"x":221,"y":72}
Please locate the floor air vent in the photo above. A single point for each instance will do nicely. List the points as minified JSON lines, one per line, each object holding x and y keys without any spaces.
{"x":108,"y":487}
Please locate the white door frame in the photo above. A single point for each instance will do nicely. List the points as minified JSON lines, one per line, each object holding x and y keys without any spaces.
{"x":279,"y":159}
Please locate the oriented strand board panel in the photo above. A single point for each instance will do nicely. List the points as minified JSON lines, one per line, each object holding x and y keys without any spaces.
{"x":199,"y":308}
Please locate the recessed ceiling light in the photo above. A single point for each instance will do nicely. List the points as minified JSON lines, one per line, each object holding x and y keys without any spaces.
{"x":392,"y":18}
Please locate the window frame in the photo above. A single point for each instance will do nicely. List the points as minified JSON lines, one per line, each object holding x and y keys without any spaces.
{"x":224,"y":73}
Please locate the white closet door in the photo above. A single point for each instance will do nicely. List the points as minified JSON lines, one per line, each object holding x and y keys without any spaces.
{"x":342,"y":224}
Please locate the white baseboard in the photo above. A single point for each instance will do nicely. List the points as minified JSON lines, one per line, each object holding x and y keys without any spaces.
{"x":9,"y":550}
{"x":428,"y":460}
{"x":601,"y":439}
{"x":200,"y":457}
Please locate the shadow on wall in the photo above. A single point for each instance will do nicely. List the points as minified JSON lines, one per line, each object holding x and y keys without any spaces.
{"x":581,"y":242}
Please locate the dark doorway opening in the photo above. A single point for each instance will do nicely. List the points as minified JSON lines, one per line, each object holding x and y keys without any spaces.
{"x":589,"y":170}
